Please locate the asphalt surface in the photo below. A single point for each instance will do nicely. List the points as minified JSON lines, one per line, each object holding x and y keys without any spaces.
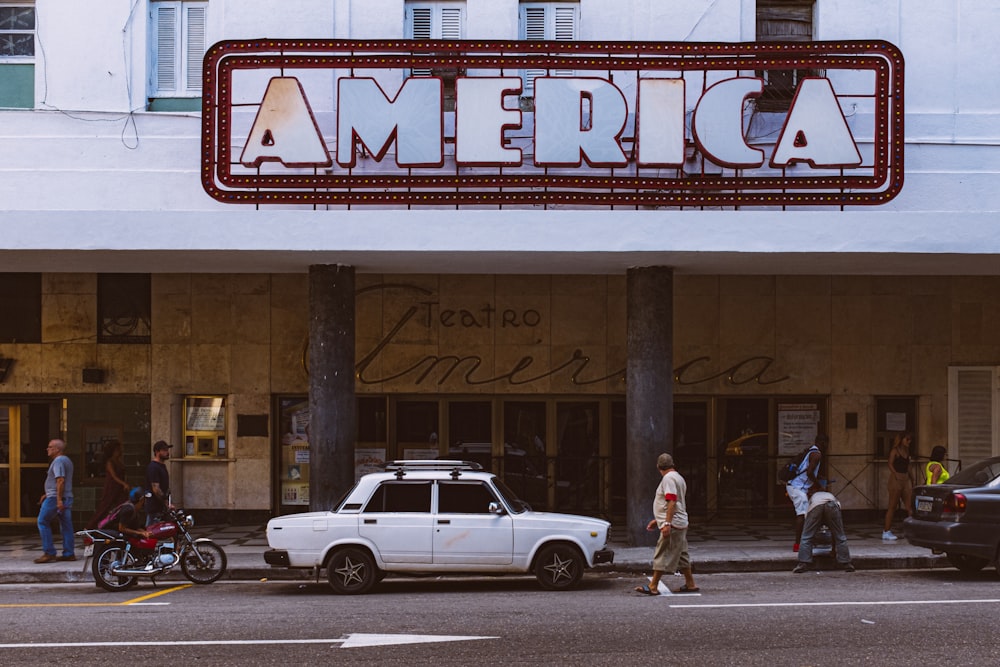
{"x":752,"y":546}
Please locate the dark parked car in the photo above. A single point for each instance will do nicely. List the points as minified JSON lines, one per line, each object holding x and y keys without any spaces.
{"x":960,"y":518}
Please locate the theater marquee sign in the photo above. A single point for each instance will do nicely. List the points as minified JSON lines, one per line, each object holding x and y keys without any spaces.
{"x":470,"y":123}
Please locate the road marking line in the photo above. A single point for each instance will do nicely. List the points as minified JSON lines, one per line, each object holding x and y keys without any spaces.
{"x":829,"y":604}
{"x":158,"y":593}
{"x":137,"y":601}
{"x":350,"y":641}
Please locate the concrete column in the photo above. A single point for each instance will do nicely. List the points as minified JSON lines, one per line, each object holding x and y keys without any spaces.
{"x":333,"y":416}
{"x":649,"y":390}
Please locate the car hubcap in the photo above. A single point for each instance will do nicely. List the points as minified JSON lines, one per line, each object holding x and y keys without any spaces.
{"x":350,"y":572}
{"x":559,"y":569}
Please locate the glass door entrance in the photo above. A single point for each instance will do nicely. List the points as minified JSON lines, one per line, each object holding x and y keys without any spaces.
{"x":7,"y":493}
{"x":24,"y":435}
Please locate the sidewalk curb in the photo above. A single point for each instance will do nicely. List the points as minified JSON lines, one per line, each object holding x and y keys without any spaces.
{"x":711,"y":566}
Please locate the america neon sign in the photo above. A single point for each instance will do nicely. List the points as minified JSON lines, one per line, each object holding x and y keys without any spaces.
{"x":649,"y":124}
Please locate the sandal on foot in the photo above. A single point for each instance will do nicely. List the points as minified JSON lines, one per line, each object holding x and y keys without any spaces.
{"x":646,"y":590}
{"x":685,"y":589}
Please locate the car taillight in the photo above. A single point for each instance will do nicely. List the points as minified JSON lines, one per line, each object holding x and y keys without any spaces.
{"x":954,"y":504}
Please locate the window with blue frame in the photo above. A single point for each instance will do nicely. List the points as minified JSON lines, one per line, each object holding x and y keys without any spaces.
{"x":17,"y":55}
{"x":177,"y":42}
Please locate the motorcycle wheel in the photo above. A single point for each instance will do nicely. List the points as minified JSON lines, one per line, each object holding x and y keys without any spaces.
{"x":101,"y":568}
{"x":203,"y":562}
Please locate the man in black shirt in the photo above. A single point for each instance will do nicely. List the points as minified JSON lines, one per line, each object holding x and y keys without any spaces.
{"x":158,"y":483}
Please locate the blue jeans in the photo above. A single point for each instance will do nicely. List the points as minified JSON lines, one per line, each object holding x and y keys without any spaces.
{"x":828,"y":513}
{"x":50,"y":511}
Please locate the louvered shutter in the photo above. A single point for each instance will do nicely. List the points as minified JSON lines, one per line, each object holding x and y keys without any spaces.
{"x":564,"y":31}
{"x":166,"y":48}
{"x":451,"y":23}
{"x":195,"y":46}
{"x":533,"y":19}
{"x":421,"y":27}
{"x":547,"y":22}
{"x":973,"y":413}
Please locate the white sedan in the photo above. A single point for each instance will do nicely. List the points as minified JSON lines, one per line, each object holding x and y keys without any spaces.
{"x":436,"y":517}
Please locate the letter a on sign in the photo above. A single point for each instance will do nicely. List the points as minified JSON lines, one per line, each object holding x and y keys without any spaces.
{"x":284,"y":130}
{"x":816,"y":130}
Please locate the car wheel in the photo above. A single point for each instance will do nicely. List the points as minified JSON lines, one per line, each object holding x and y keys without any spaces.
{"x":967,"y":564}
{"x":559,"y":567}
{"x":351,"y":571}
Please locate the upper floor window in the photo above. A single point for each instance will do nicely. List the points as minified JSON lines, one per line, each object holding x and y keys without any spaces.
{"x":547,"y":22}
{"x":123,"y":308}
{"x":17,"y":55}
{"x":177,"y":41}
{"x":783,"y":21}
{"x":21,"y":305}
{"x":437,"y":20}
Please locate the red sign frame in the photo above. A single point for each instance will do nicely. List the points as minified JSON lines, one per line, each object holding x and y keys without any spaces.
{"x":882,"y":181}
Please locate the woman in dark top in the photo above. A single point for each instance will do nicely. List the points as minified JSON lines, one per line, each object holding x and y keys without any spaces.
{"x":900,"y":484}
{"x":115,"y":487}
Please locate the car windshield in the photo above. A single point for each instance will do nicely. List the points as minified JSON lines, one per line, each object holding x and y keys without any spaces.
{"x":983,"y":473}
{"x":517,"y":506}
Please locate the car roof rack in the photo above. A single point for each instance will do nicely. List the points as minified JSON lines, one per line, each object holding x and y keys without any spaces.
{"x":455,"y":467}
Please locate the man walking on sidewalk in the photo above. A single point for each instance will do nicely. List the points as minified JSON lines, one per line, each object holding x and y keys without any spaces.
{"x":57,"y":502}
{"x":670,"y":517}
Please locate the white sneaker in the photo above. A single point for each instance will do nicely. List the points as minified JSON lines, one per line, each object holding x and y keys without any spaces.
{"x":887,"y":535}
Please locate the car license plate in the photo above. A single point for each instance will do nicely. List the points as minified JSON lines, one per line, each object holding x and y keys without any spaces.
{"x":88,"y":551}
{"x":924,"y":504}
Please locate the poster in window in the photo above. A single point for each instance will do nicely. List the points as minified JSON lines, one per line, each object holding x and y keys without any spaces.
{"x":798,"y":425}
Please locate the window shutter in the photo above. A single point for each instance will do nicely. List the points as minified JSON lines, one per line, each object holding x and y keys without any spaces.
{"x":565,"y":24}
{"x":974,"y":414}
{"x":421,"y":27}
{"x":451,"y":23}
{"x":533,"y":19}
{"x":565,"y":31}
{"x":195,"y":46}
{"x":166,"y":48}
{"x":420,"y":22}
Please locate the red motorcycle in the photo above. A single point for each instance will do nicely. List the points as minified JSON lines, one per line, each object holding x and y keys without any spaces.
{"x":119,"y":562}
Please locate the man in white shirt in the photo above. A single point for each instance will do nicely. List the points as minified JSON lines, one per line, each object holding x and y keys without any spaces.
{"x":671,"y":519}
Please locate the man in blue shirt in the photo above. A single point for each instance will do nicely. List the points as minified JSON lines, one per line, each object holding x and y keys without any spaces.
{"x":807,"y":479}
{"x":57,"y":502}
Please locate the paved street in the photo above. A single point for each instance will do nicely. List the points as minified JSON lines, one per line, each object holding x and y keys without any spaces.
{"x":828,"y":618}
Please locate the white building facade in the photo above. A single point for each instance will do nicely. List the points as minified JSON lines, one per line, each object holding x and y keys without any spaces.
{"x":136,"y":307}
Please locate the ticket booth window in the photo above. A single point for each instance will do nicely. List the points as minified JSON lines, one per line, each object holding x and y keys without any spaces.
{"x":205,"y":427}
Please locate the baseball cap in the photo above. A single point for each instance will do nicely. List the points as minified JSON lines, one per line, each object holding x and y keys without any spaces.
{"x":161,"y":444}
{"x":135,"y":494}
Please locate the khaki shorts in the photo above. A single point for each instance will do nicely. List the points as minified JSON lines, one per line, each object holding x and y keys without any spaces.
{"x":671,"y":552}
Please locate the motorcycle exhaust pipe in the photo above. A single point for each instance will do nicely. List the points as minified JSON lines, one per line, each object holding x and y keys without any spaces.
{"x":123,"y":572}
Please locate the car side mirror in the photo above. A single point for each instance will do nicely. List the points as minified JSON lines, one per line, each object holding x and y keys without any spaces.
{"x":495,"y":508}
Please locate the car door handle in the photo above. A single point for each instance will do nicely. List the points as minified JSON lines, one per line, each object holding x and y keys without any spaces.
{"x":371,"y":521}
{"x":443,"y":521}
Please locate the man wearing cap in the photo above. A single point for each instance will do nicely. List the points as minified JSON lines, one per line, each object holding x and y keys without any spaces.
{"x":158,"y":483}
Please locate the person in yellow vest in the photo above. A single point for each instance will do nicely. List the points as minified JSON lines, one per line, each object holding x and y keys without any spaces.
{"x":934,"y":471}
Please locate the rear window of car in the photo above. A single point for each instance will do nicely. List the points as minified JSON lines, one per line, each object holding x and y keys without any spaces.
{"x":401,"y":497}
{"x":983,"y":473}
